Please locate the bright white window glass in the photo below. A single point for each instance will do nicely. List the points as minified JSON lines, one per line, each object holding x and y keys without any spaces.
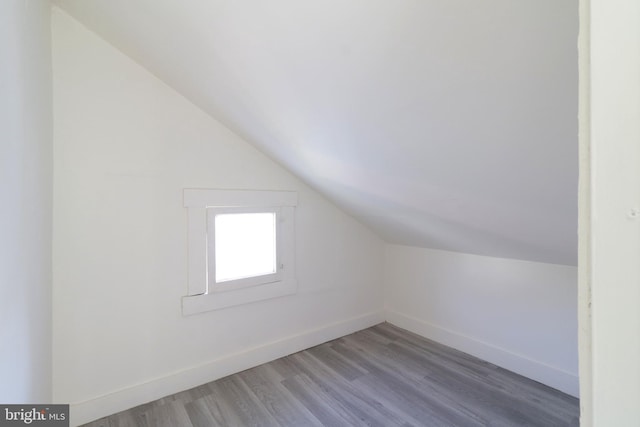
{"x":245,"y":245}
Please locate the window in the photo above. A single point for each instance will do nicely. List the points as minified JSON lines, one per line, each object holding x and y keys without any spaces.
{"x":240,"y":247}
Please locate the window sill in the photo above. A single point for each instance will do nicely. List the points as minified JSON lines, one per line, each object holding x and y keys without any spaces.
{"x":194,"y":304}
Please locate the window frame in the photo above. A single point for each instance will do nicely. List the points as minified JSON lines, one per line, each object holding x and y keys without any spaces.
{"x":229,"y":285}
{"x":201,"y":294}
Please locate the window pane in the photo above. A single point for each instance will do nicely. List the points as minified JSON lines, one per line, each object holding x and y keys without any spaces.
{"x":245,"y":245}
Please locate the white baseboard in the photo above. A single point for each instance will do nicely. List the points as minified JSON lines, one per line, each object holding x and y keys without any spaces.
{"x":137,"y":394}
{"x":559,"y":379}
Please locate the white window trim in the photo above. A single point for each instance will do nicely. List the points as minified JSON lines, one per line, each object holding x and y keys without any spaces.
{"x":202,"y":297}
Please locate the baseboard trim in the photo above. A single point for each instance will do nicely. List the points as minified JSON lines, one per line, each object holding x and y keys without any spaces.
{"x":548,"y":375}
{"x":137,"y":394}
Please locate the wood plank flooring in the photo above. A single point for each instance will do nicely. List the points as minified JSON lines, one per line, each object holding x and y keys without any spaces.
{"x":382,"y":376}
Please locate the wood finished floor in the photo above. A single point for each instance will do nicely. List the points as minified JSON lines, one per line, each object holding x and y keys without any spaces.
{"x":382,"y":376}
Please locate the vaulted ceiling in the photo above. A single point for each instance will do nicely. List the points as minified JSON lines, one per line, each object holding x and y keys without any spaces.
{"x":448,"y":124}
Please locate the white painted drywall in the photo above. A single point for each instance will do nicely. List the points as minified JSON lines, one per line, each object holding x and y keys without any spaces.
{"x":611,"y":235}
{"x":25,"y":194}
{"x":125,"y":147}
{"x":408,"y":113}
{"x":520,"y":315}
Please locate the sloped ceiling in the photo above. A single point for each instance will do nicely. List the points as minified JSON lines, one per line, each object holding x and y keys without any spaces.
{"x":448,"y":124}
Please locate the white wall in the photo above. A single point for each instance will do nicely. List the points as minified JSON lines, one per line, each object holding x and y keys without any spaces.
{"x":125,"y":146}
{"x":610,"y":232}
{"x":520,"y":315}
{"x":25,"y":194}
